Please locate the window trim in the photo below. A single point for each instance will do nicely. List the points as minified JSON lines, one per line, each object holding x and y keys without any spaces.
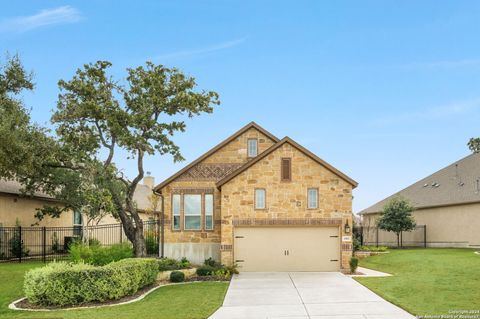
{"x":180,"y":212}
{"x":308,"y":198}
{"x":289,"y":160}
{"x":264,"y":199}
{"x":248,"y":147}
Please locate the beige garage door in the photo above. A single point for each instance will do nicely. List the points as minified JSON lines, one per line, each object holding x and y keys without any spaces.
{"x":287,"y":248}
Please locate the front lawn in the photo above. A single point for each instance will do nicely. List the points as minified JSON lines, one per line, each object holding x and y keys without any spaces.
{"x":196,"y":300}
{"x":427,"y":281}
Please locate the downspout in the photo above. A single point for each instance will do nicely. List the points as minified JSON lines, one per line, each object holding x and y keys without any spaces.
{"x":162,"y":225}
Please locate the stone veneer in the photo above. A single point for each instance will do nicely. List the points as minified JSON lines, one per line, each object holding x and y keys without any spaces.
{"x":286,"y":200}
{"x":234,"y":152}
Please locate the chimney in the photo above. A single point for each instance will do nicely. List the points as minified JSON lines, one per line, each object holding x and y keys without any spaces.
{"x":149,"y":181}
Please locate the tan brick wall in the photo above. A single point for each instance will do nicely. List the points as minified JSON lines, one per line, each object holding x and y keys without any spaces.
{"x":236,"y":150}
{"x":233,"y":152}
{"x":285,"y":200}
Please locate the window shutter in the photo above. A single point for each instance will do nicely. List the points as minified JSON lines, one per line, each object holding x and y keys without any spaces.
{"x":286,"y":169}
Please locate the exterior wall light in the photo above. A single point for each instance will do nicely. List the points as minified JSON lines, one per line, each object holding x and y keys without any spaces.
{"x":347,"y":228}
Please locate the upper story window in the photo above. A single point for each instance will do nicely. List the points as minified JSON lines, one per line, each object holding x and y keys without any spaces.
{"x":260,"y":201}
{"x":176,"y":211}
{"x":286,"y":169}
{"x":252,"y":147}
{"x":192,"y":207}
{"x":312,"y":198}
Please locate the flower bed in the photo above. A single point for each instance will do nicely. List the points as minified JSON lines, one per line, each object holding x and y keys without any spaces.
{"x":60,"y":284}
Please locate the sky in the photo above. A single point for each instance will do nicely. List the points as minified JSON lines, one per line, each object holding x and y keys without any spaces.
{"x":386,"y":91}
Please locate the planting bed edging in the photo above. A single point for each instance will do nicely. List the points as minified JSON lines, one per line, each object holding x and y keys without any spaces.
{"x":366,"y":253}
{"x":13,"y":306}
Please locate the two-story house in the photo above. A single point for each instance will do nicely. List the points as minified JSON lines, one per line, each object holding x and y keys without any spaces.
{"x":261,"y":202}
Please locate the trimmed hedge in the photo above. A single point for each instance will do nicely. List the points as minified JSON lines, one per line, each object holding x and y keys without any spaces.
{"x":61,"y":283}
{"x":94,"y":254}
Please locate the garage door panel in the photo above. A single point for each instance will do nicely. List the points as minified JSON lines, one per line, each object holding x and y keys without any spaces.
{"x":287,"y":248}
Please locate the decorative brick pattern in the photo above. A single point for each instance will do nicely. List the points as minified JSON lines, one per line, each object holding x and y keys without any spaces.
{"x":296,"y":222}
{"x":226,"y":247}
{"x":192,"y":190}
{"x":346,"y":247}
{"x":209,"y":172}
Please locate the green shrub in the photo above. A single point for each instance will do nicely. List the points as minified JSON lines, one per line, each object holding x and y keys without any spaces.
{"x":61,"y":283}
{"x":55,"y":243}
{"x":167,"y":264}
{"x":353,"y":264}
{"x":184,"y":263}
{"x":205,"y":270}
{"x":356,"y":243}
{"x":97,"y":255}
{"x":212,"y":263}
{"x":373,"y":248}
{"x":177,"y":276}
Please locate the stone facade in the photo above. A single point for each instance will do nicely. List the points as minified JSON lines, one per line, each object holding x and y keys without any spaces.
{"x":234,"y":201}
{"x":286,"y":201}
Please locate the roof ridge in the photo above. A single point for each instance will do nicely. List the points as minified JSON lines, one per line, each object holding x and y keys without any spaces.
{"x":444,"y":168}
{"x":275,"y":146}
{"x":250,"y":125}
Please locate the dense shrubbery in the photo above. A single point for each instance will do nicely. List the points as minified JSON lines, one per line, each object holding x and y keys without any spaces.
{"x":373,"y":248}
{"x":60,"y":284}
{"x":177,"y":276}
{"x":213,"y":268}
{"x":97,"y":255}
{"x":173,"y":264}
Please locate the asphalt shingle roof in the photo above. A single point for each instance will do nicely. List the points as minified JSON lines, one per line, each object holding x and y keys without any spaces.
{"x":457,"y":183}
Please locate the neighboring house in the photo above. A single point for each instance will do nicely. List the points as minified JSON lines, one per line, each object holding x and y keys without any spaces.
{"x":263,"y":203}
{"x":447,"y":202}
{"x":15,"y":206}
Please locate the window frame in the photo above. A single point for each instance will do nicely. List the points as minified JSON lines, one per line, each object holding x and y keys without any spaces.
{"x":289,"y":160}
{"x":205,"y":212}
{"x":182,"y":214}
{"x":201,"y":212}
{"x":264,"y":199}
{"x":248,"y":147}
{"x":308,"y":197}
{"x":179,"y":212}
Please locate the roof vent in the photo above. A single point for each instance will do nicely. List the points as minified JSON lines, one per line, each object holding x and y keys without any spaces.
{"x":461,"y":184}
{"x":425,"y":185}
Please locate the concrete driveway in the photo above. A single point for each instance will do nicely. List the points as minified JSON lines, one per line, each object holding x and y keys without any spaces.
{"x":316,"y":295}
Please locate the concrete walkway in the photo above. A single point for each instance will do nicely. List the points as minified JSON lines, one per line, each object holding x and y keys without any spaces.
{"x":316,"y":295}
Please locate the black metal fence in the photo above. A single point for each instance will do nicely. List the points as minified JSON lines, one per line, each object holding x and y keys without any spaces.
{"x":52,"y":243}
{"x":373,"y":236}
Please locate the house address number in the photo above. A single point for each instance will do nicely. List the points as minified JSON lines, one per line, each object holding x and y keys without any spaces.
{"x":346,"y":238}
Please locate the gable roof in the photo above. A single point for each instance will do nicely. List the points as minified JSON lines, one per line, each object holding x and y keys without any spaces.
{"x":276,"y":146}
{"x":216,"y":148}
{"x":457,"y":184}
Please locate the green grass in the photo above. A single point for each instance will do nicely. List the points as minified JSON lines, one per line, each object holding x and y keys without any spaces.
{"x":427,"y":281}
{"x":197,"y":300}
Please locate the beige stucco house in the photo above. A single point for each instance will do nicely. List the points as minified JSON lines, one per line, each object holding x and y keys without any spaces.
{"x":16,"y":207}
{"x":261,"y":202}
{"x":447,"y":203}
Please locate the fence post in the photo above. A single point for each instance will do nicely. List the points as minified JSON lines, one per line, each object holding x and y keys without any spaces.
{"x":44,"y":244}
{"x":424,"y":236}
{"x":401,"y":239}
{"x":159,"y":254}
{"x":377,"y":236}
{"x":20,"y":244}
{"x":361,"y":235}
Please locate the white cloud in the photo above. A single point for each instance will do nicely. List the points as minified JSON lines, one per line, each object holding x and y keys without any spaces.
{"x":60,"y":15}
{"x":434,"y":113}
{"x":199,"y":51}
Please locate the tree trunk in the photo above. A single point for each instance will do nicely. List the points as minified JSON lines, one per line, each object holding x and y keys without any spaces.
{"x":398,"y":240}
{"x":139,"y":247}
